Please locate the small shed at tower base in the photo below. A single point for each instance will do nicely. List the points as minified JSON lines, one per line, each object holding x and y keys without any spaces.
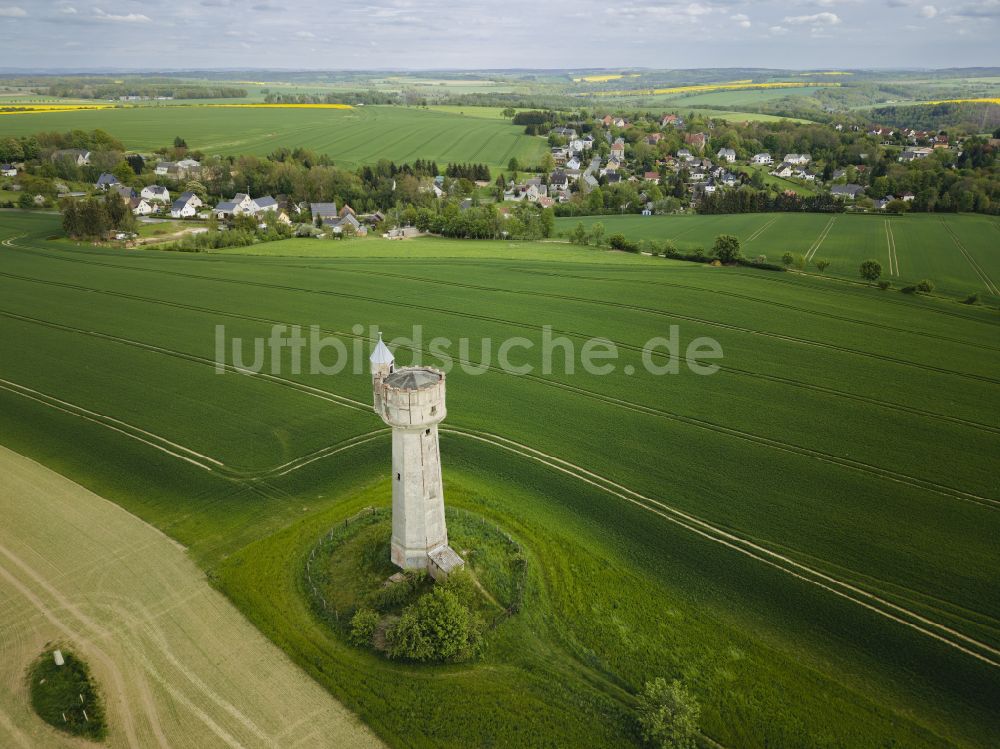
{"x":442,"y":561}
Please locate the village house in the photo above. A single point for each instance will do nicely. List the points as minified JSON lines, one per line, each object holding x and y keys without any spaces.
{"x":80,"y":156}
{"x":559,"y":181}
{"x":685,"y":155}
{"x":671,"y":120}
{"x":564,"y":132}
{"x":105,"y":181}
{"x":142,"y":207}
{"x":186,"y":205}
{"x":762,"y":158}
{"x":618,"y":149}
{"x":784,"y":169}
{"x":155,"y":193}
{"x":124,"y":191}
{"x":847,"y":192}
{"x":8,"y":170}
{"x":915,"y":153}
{"x":797,"y":158}
{"x":242,"y":204}
{"x":726,"y":154}
{"x":178,"y":169}
{"x":653,"y":138}
{"x":652,"y":177}
{"x":325,"y":213}
{"x":266,"y":203}
{"x":696,"y":140}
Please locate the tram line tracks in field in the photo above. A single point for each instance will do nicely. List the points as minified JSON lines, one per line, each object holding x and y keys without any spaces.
{"x":991,"y":287}
{"x":687,"y":521}
{"x":466,"y":314}
{"x":811,"y":252}
{"x":772,"y":443}
{"x":761,"y":230}
{"x":784,"y":381}
{"x":890,"y":241}
{"x":671,"y":284}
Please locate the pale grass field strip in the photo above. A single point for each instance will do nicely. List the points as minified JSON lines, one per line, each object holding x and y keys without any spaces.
{"x":178,"y":665}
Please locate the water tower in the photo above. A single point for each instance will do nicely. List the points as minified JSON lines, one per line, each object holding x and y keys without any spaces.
{"x":411,"y":401}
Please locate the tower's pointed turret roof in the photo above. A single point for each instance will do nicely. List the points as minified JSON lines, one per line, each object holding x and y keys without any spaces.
{"x":381,"y":354}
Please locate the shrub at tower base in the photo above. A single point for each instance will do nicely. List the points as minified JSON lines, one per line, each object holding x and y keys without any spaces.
{"x":357,"y":590}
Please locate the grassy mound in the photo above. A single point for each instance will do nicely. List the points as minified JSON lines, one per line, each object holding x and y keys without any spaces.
{"x":66,"y":696}
{"x":355,"y":588}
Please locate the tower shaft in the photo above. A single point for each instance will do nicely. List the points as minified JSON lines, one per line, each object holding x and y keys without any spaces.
{"x":418,"y":523}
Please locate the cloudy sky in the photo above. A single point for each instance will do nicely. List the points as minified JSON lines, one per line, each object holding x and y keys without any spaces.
{"x":415,"y":34}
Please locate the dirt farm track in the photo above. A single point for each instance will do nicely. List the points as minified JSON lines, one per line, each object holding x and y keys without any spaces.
{"x":177,"y":665}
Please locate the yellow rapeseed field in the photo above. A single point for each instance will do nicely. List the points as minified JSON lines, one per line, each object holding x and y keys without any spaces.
{"x":36,"y":108}
{"x":701,"y":88}
{"x":604,"y":78}
{"x":986,"y":100}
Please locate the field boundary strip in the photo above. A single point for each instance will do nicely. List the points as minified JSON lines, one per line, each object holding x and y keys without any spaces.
{"x":976,"y":267}
{"x":727,"y":538}
{"x":890,"y":241}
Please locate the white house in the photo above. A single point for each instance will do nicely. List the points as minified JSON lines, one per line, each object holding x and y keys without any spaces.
{"x":266,"y":203}
{"x":684,"y":154}
{"x":8,"y":170}
{"x":186,"y":205}
{"x":142,"y":207}
{"x":177,"y":169}
{"x":79,"y":155}
{"x":728,"y":154}
{"x":762,"y":158}
{"x":155,"y":192}
{"x":573,"y":163}
{"x":798,"y":158}
{"x":784,"y":169}
{"x":242,"y":204}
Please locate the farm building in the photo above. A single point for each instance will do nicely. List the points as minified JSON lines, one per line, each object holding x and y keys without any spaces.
{"x":324,"y":212}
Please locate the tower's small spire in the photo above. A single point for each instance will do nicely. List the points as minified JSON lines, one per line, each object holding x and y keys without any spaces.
{"x":381,"y":355}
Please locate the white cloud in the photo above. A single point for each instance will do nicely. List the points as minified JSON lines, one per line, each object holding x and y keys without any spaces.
{"x":742,"y":19}
{"x":12,"y":11}
{"x":68,"y":10}
{"x":778,"y":30}
{"x":928,"y":11}
{"x":305,"y":35}
{"x":818,"y":19}
{"x":121,"y":18}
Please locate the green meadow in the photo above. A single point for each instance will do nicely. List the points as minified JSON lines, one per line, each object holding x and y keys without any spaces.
{"x":362,"y":135}
{"x":959,"y":253}
{"x":807,"y":536}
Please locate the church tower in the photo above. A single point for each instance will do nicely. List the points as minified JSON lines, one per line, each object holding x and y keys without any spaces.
{"x":411,"y":400}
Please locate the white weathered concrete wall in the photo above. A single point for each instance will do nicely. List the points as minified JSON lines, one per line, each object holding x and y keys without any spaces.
{"x":418,"y":523}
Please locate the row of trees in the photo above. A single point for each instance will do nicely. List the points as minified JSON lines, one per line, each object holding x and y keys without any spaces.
{"x":746,"y":199}
{"x":523,"y":221}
